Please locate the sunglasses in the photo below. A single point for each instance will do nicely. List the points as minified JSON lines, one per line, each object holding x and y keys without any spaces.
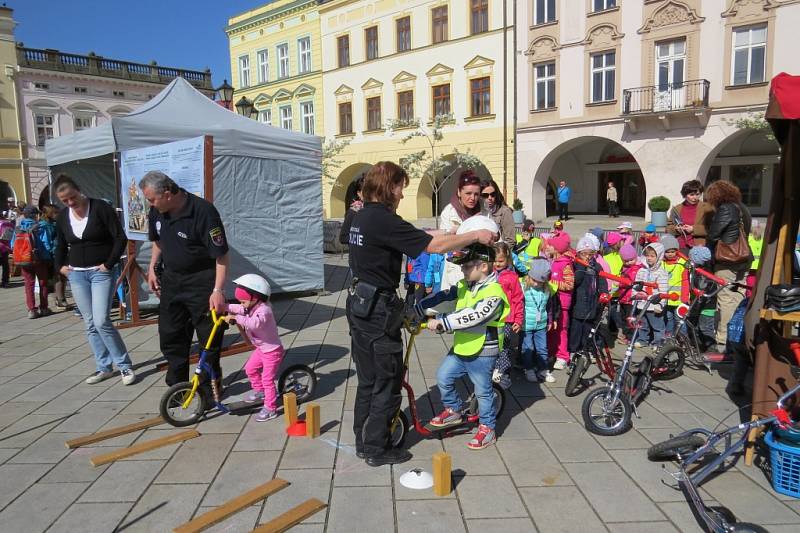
{"x":488,"y":195}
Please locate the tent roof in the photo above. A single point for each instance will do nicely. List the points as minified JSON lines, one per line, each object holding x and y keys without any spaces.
{"x":180,"y":112}
{"x":785,"y":91}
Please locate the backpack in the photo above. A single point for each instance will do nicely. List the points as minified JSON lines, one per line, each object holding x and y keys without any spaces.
{"x":24,"y":247}
{"x":45,"y":241}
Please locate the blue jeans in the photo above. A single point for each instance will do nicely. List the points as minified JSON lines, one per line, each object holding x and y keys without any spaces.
{"x":534,"y":342}
{"x":92,"y":290}
{"x":670,"y":319}
{"x":652,"y":322}
{"x":479,"y":370}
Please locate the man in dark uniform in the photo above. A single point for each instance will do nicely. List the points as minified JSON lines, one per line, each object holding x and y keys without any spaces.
{"x":188,"y":236}
{"x":378,"y":240}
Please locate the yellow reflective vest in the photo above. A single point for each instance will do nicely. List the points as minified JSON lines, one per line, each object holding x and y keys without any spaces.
{"x":675,"y":272}
{"x":755,"y":247}
{"x":469,"y":343}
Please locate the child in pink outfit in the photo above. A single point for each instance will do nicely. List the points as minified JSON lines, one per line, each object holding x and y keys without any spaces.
{"x":254,"y":314}
{"x":562,"y":281}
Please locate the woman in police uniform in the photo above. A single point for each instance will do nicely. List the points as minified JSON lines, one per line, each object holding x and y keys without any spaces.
{"x":378,"y":240}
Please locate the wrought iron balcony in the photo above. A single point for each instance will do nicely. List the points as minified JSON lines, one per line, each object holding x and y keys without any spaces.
{"x":686,"y":96}
{"x":95,"y":65}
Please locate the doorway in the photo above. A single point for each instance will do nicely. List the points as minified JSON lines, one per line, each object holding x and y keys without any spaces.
{"x":630,"y":187}
{"x":670,"y":70}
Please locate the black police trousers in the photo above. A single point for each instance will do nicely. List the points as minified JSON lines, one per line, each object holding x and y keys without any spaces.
{"x":378,"y":355}
{"x":184,"y":310}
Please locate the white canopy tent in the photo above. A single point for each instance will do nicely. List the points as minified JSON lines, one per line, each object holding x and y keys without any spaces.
{"x":267,"y":180}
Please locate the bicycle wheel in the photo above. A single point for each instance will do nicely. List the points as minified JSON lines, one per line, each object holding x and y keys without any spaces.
{"x":668,"y":363}
{"x":171,"y":406}
{"x":744,"y":527}
{"x":577,"y":368}
{"x":499,"y":401}
{"x":606,"y":418}
{"x":400,"y":432}
{"x":300,"y":380}
{"x":671,"y":448}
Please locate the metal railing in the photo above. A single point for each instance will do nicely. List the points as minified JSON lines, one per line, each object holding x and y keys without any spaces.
{"x":49,"y":59}
{"x":691,"y":94}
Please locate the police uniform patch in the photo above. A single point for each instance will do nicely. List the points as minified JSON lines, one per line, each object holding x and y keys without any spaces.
{"x":158,"y":227}
{"x":217,"y":237}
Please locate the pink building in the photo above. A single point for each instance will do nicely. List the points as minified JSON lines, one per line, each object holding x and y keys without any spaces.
{"x":60,"y":93}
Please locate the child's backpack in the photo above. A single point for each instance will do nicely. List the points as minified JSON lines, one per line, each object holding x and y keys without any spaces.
{"x":45,"y":241}
{"x":24,"y":252}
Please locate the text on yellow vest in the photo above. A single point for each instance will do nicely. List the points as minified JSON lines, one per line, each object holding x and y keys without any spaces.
{"x":470,"y":342}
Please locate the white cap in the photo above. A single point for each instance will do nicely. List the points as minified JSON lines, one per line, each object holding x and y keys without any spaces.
{"x":255,"y":283}
{"x":477,"y":222}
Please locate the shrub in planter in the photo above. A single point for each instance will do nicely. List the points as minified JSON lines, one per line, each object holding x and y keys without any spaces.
{"x":519,"y":216}
{"x":659,"y":204}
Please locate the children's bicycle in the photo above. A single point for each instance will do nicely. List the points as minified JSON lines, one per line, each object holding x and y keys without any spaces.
{"x":608,"y":409}
{"x":185,"y":403}
{"x":400,"y":427}
{"x":710,"y":451}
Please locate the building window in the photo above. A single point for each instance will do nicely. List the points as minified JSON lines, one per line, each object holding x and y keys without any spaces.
{"x":343,"y":47}
{"x":82,"y":122}
{"x":265,"y":116}
{"x":749,"y":179}
{"x":544,"y":85}
{"x":345,"y":118}
{"x":481,"y":97}
{"x":603,"y":76}
{"x":479,"y":19}
{"x":40,"y":85}
{"x":118,"y":94}
{"x":283,"y":60}
{"x":405,"y":106}
{"x":244,"y":71}
{"x":439,"y":24}
{"x":749,"y":55}
{"x":80,"y":90}
{"x":371,"y":39}
{"x":544,"y":11}
{"x":286,"y":117}
{"x":307,"y":114}
{"x":441,"y":100}
{"x":44,"y":128}
{"x":374,"y":113}
{"x":304,"y":54}
{"x":404,"y":34}
{"x":602,"y":5}
{"x":262,"y":57}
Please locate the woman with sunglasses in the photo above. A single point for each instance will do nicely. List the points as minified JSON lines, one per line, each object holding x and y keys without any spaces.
{"x":464,"y":203}
{"x":495,"y":207}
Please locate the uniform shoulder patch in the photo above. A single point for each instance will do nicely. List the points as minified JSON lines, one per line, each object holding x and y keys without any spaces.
{"x":217,"y":236}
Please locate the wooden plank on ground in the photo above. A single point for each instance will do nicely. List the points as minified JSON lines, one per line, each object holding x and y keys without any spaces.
{"x":233,"y":506}
{"x":113,"y":432}
{"x":292,"y":517}
{"x":141,"y":447}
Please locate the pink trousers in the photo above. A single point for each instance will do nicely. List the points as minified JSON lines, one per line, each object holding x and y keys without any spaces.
{"x":558,"y":339}
{"x":262,"y":369}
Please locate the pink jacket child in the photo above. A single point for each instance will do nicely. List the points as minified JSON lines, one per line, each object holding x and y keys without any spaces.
{"x":562,"y":280}
{"x":255,"y":315}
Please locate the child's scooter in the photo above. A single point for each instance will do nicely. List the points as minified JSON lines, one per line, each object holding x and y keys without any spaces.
{"x":185,"y":403}
{"x":400,"y":425}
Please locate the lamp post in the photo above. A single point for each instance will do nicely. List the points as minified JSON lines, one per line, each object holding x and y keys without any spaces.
{"x":224,"y":94}
{"x":246,"y":108}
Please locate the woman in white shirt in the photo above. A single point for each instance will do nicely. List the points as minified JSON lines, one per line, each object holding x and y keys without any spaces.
{"x":464,"y":203}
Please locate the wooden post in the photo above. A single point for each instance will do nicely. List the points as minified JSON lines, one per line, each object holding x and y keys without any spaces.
{"x":312,"y":420}
{"x":290,"y":409}
{"x":442,"y":474}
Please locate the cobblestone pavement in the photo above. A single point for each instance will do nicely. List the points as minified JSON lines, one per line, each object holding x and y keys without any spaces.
{"x":546,"y":472}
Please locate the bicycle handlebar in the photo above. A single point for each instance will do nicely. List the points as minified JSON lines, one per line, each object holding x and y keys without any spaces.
{"x":708,"y":275}
{"x":623,"y":281}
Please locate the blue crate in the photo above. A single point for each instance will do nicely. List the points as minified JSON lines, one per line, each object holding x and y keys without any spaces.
{"x":785,"y":461}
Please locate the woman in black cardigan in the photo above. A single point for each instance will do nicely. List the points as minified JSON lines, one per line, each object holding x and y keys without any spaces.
{"x":90,"y":241}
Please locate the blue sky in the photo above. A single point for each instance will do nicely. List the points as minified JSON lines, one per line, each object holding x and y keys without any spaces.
{"x":177,"y":33}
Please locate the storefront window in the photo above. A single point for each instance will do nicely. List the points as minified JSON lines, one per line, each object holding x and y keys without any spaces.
{"x":749,"y":179}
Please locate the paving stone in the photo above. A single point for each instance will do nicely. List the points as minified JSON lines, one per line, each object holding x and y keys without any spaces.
{"x":307,"y":453}
{"x":123,"y":481}
{"x":630,"y":440}
{"x":651,"y":417}
{"x":19,"y":368}
{"x":76,"y":468}
{"x":305,"y":484}
{"x":35,"y":377}
{"x":718,"y":407}
{"x":432,"y":516}
{"x":197,"y":460}
{"x":403,"y":493}
{"x":48,"y":501}
{"x":560,"y":510}
{"x":747,"y":500}
{"x":505,"y":502}
{"x":649,"y":475}
{"x":351,"y":471}
{"x":483,"y":463}
{"x":642,"y":527}
{"x":6,"y":453}
{"x":27,"y":430}
{"x":349,"y":514}
{"x":681,"y":516}
{"x":17,"y":478}
{"x":45,"y":391}
{"x":244,"y":520}
{"x":686,"y":386}
{"x":670,"y":403}
{"x":91,"y":518}
{"x":697,"y":419}
{"x":164,"y":507}
{"x":532,"y":464}
{"x":570,"y":443}
{"x":501,"y":525}
{"x":13,"y":411}
{"x":13,"y":391}
{"x":48,"y":449}
{"x":241,"y":472}
{"x":547,"y":410}
{"x":258,"y":436}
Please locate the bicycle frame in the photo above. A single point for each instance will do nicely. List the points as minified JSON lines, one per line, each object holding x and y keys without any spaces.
{"x":602,"y":355}
{"x":203,"y":366}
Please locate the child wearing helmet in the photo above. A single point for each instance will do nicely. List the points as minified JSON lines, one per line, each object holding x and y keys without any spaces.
{"x":255,"y":315}
{"x":480,"y":313}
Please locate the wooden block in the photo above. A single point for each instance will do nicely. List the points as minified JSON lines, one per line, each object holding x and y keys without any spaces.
{"x":290,"y":408}
{"x":113,"y":432}
{"x":146,"y":446}
{"x":233,"y":506}
{"x":292,"y":517}
{"x":442,"y":474}
{"x":312,"y":420}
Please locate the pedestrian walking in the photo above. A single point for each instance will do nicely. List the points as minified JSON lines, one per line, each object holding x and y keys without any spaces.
{"x":563,"y":194}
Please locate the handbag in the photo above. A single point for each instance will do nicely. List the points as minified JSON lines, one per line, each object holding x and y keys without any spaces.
{"x":735,"y":252}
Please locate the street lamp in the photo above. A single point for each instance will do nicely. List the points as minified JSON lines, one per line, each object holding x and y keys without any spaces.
{"x":224,"y":94}
{"x":245,"y":107}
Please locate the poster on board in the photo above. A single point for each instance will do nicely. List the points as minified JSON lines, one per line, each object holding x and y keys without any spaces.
{"x":180,"y":160}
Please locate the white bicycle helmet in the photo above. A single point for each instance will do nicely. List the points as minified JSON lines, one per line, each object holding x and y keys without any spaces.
{"x":477,"y":222}
{"x":255,"y":284}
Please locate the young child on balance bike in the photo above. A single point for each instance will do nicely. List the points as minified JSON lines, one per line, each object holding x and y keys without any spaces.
{"x":480,"y":312}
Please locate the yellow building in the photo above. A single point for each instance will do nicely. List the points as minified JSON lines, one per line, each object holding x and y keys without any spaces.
{"x":12,"y":176}
{"x":414,"y":60}
{"x":276,"y":62}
